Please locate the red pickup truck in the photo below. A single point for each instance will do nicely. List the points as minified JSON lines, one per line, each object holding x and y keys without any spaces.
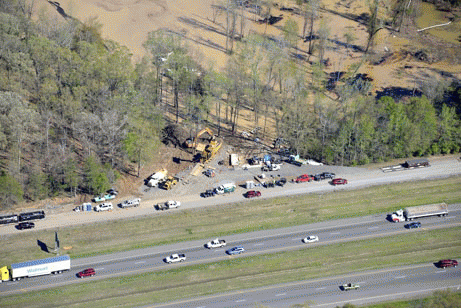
{"x":304,"y":178}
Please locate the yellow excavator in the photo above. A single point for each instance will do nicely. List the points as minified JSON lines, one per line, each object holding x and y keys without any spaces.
{"x":194,"y":142}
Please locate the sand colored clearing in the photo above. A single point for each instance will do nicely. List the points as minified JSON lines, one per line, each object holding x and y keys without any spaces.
{"x":129,"y":21}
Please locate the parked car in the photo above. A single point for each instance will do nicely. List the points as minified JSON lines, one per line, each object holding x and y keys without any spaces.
{"x":413,"y":225}
{"x":339,"y":181}
{"x":447,"y":263}
{"x":208,"y":193}
{"x":311,"y":239}
{"x":323,"y":176}
{"x":235,"y":250}
{"x":107,"y":206}
{"x":304,"y":178}
{"x":25,"y":225}
{"x":89,"y":272}
{"x":253,"y":193}
{"x":109,"y":197}
{"x":99,"y":199}
{"x":112,"y":191}
{"x":130,"y":203}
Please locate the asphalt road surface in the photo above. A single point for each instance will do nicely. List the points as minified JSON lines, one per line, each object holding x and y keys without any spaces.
{"x":189,"y":196}
{"x":375,"y":286}
{"x":151,"y":259}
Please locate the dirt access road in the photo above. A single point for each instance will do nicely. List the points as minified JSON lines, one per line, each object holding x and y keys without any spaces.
{"x":189,"y":196}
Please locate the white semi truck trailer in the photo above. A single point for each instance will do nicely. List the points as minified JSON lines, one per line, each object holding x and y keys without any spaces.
{"x":54,"y":265}
{"x":414,"y":212}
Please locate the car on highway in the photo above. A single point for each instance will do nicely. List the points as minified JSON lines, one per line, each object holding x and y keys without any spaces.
{"x":25,"y":225}
{"x":350,"y":286}
{"x":413,"y":225}
{"x":311,"y":239}
{"x":447,"y":263}
{"x":253,"y":193}
{"x":176,"y":257}
{"x":89,"y":272}
{"x":338,"y":181}
{"x":235,"y":250}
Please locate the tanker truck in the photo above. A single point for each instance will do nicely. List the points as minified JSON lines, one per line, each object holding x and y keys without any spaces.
{"x":54,"y":265}
{"x":414,"y":212}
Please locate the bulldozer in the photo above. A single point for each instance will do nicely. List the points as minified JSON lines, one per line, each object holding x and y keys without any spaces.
{"x":210,"y":151}
{"x":169,"y":182}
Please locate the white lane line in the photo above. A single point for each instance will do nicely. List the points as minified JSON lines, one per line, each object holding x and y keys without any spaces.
{"x":281,"y":294}
{"x":361,"y":282}
{"x":441,"y":271}
{"x":373,"y":228}
{"x":320,"y":288}
{"x":335,"y":233}
{"x":201,"y":307}
{"x":400,"y":277}
{"x":98,"y":269}
{"x":259,"y":244}
{"x":140,"y":262}
{"x":295,"y":239}
{"x":240,"y":300}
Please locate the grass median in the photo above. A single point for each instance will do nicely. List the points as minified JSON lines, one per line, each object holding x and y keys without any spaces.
{"x":178,"y":283}
{"x":213,"y":221}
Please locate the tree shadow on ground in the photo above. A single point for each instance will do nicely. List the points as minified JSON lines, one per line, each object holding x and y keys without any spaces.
{"x":398,"y":92}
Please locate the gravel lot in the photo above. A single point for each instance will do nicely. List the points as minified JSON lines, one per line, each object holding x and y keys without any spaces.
{"x":189,"y":189}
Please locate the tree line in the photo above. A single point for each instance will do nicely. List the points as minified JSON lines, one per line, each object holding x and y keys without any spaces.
{"x":75,"y":112}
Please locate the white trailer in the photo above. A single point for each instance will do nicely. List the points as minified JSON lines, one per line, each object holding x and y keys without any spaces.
{"x":54,"y":265}
{"x":414,"y":212}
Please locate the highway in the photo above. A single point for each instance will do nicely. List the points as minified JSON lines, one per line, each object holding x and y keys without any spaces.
{"x":269,"y":241}
{"x":378,"y":285}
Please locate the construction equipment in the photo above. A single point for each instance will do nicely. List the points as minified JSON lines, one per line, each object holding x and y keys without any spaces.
{"x":194,"y":142}
{"x":210,"y":151}
{"x":169,"y":182}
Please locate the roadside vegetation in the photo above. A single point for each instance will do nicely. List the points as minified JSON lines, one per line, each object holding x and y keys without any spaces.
{"x":76,"y":113}
{"x":250,"y":272}
{"x":222,"y":220}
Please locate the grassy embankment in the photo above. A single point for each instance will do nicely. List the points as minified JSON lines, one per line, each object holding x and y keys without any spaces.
{"x":204,"y":223}
{"x":411,"y":247}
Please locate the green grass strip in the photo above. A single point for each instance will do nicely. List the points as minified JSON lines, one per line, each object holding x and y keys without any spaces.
{"x":213,"y":221}
{"x":249,"y":272}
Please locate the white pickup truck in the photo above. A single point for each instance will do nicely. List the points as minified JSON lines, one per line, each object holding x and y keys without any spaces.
{"x":217,"y":243}
{"x":130,"y":203}
{"x":176,"y":257}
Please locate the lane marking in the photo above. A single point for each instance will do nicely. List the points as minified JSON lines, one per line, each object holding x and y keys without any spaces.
{"x":441,"y":271}
{"x":373,"y":228}
{"x":320,"y":288}
{"x":335,"y":233}
{"x":240,"y":300}
{"x":399,"y":277}
{"x":140,"y":262}
{"x":259,"y":244}
{"x":280,"y":294}
{"x":99,"y":268}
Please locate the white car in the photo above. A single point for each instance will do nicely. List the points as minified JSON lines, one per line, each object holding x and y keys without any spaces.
{"x":130,"y":203}
{"x":173,"y":204}
{"x":104,"y":207}
{"x":176,"y":257}
{"x":217,"y":243}
{"x":311,"y":239}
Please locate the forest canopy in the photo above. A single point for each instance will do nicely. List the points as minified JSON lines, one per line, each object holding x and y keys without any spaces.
{"x":76,"y":112}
